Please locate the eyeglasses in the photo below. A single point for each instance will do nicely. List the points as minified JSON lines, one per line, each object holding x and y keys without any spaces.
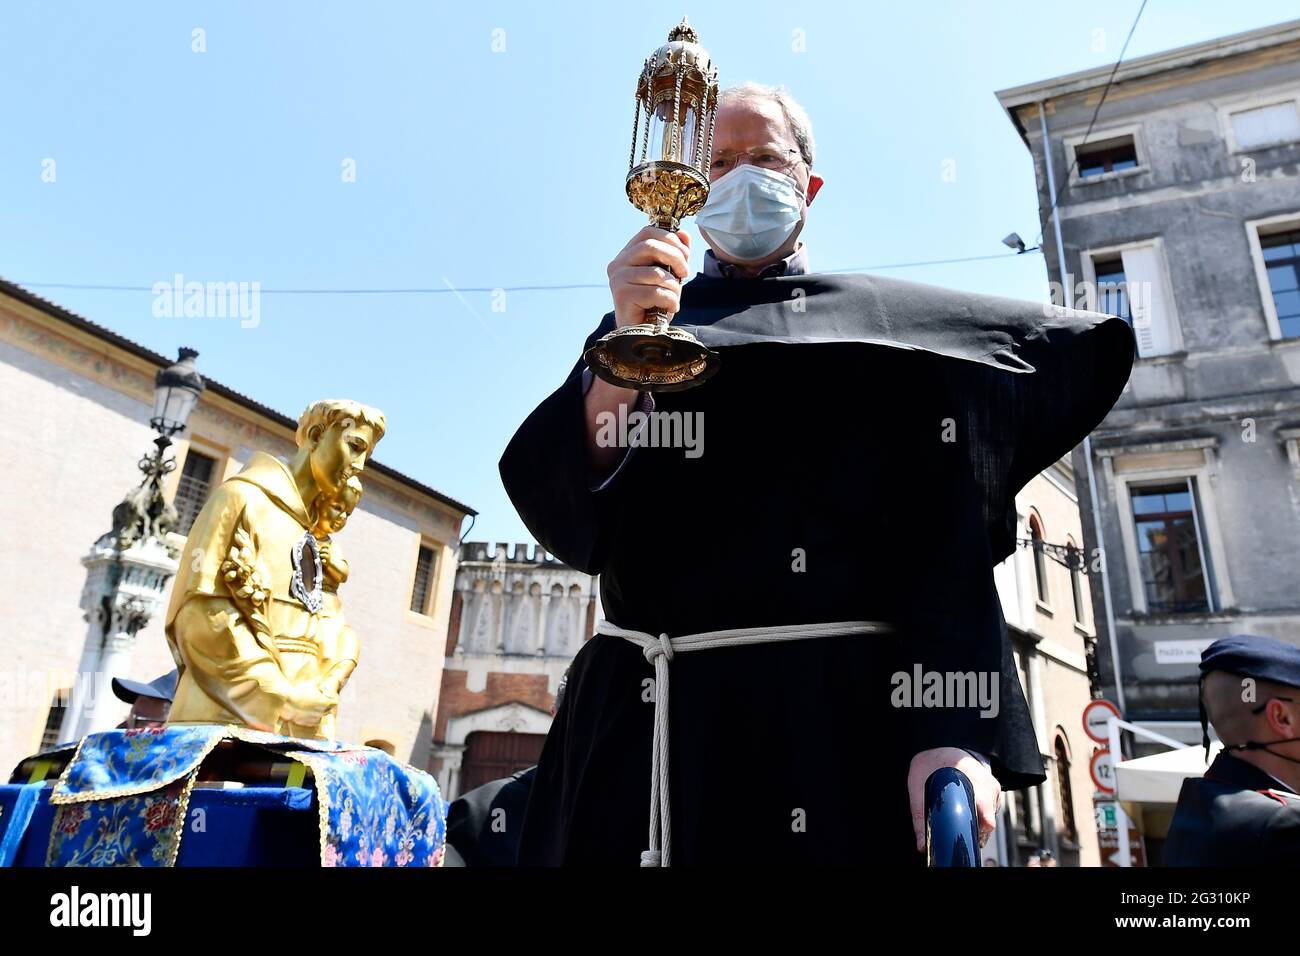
{"x":779,"y":159}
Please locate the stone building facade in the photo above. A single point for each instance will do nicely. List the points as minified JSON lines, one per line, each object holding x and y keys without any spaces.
{"x":1180,"y":211}
{"x":83,"y":397}
{"x":518,"y":617}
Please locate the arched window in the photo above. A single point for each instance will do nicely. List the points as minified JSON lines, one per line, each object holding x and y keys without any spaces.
{"x":1040,"y":558}
{"x":1064,"y":794}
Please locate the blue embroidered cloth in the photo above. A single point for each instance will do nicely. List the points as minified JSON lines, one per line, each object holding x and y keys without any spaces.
{"x":20,"y":808}
{"x":123,"y":799}
{"x":246,"y":826}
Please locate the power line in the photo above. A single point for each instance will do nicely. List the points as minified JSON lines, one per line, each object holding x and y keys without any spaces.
{"x":376,"y":291}
{"x":1105,"y":90}
{"x":92,"y":287}
{"x":931,"y":262}
{"x":89,"y":287}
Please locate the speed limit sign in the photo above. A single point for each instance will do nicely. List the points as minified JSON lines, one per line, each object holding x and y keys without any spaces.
{"x":1102,"y":768}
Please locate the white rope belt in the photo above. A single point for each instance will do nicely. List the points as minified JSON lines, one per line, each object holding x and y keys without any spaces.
{"x":659,"y":651}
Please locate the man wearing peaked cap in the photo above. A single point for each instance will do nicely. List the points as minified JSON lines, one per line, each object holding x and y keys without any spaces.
{"x":149,"y":702}
{"x":1245,"y":811}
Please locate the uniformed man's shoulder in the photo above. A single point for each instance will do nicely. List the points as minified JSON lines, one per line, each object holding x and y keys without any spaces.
{"x":1219,"y":823}
{"x":1285,"y":808}
{"x":1258,"y":801}
{"x":1276,"y":815}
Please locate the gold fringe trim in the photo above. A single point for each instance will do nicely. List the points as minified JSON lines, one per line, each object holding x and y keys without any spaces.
{"x":183,"y":811}
{"x":129,"y":790}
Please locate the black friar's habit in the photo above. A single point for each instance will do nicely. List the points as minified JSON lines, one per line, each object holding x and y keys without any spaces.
{"x":878,"y":428}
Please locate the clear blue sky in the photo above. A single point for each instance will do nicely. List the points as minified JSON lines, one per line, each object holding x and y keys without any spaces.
{"x":487,"y":169}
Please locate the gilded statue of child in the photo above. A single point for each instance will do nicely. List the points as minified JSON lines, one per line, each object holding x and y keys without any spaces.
{"x":340,"y":646}
{"x":255,"y":622}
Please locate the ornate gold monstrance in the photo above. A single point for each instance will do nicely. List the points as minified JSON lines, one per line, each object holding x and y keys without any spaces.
{"x":678,"y":90}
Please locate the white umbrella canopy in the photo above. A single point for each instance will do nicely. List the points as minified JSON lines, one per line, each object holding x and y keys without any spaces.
{"x":1159,"y":777}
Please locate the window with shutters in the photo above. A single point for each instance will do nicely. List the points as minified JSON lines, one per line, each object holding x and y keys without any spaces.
{"x":197,"y":475}
{"x":422,"y":587}
{"x":1132,"y":282}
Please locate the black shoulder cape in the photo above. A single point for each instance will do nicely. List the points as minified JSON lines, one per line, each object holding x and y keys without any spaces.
{"x":1031,"y":380}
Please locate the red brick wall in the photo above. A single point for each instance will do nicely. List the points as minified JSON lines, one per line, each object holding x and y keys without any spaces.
{"x":501,"y":689}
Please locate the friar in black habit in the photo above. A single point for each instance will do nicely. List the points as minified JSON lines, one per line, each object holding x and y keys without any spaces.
{"x":838,"y":494}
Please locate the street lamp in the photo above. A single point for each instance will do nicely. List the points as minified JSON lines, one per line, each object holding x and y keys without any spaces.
{"x":1013,"y":241}
{"x":176,"y":391}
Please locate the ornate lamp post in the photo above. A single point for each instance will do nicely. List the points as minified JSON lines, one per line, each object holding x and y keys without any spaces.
{"x":176,"y":392}
{"x":128,"y":568}
{"x":678,"y":92}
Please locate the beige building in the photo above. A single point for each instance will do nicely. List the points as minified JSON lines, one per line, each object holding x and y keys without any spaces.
{"x":1048,"y":612}
{"x":80,"y":398}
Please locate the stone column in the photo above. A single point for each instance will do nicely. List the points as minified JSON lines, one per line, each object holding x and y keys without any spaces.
{"x":124,"y":590}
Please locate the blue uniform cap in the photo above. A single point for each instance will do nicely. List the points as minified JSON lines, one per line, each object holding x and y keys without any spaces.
{"x":1249,"y":655}
{"x":1263,"y":658}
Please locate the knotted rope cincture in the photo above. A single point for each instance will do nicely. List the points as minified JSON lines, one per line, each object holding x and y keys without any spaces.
{"x":659,"y":651}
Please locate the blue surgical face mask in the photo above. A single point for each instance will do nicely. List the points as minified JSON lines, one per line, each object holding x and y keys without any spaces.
{"x":751,"y":212}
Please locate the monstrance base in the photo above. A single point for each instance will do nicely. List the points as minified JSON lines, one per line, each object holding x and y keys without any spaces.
{"x":639,"y":357}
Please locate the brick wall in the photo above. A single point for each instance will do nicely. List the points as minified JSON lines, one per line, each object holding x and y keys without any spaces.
{"x":530,"y":689}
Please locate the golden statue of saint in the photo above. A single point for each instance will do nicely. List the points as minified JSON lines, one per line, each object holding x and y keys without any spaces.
{"x":255,"y":621}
